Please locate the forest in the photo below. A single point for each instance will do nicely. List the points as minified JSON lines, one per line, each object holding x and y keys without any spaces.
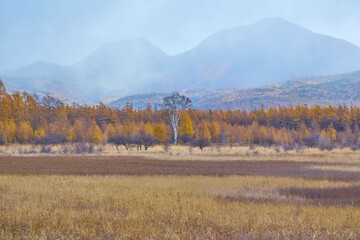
{"x":45,"y":120}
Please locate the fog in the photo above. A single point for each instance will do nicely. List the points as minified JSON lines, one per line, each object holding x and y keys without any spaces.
{"x":66,"y":31}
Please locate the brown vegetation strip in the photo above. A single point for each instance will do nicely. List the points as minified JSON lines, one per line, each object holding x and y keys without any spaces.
{"x":117,"y":165}
{"x":349,"y":195}
{"x":326,"y":196}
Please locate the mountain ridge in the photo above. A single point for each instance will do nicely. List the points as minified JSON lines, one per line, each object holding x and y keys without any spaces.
{"x":322,"y":90}
{"x":269,"y":51}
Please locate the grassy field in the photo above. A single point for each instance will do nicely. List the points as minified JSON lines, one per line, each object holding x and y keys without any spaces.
{"x":132,"y":195}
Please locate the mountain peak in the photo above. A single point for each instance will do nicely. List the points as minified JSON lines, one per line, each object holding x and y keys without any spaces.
{"x":277,"y":24}
{"x":130,"y":44}
{"x":126,"y":49}
{"x":128,"y":41}
{"x":273,"y":20}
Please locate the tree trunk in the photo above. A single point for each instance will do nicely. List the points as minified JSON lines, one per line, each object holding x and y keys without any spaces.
{"x":175,"y":135}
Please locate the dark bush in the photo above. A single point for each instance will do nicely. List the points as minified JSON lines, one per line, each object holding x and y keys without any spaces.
{"x":185,"y":138}
{"x":119,"y":140}
{"x":50,"y":139}
{"x":200,"y":143}
{"x":288,"y":147}
{"x":136,"y":140}
{"x":83,"y":148}
{"x":148,"y":140}
{"x":356,"y":146}
{"x":311,"y":142}
{"x":143,"y":139}
{"x":328,"y":145}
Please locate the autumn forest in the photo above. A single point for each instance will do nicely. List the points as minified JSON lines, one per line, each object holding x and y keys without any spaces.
{"x":29,"y":119}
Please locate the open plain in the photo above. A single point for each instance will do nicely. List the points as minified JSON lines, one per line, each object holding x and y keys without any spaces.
{"x":132,"y":195}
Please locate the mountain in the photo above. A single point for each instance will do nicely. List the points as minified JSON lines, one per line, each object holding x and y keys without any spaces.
{"x":323,"y":90}
{"x":267,"y":52}
{"x":108,"y":72}
{"x":40,"y":70}
{"x":116,"y":68}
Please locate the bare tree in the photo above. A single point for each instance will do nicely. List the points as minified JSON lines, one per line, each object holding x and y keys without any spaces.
{"x":175,"y":105}
{"x":200,"y":142}
{"x":119,"y":140}
{"x":148,"y":140}
{"x":50,"y":101}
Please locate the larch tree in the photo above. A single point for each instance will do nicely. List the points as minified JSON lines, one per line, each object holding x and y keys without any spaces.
{"x":148,"y":129}
{"x":3,"y":137}
{"x":186,"y":126}
{"x":175,"y":105}
{"x":109,"y":132}
{"x":204,"y":131}
{"x":24,"y":133}
{"x":5,"y":108}
{"x":10,"y":130}
{"x":159,"y":132}
{"x":18,"y":108}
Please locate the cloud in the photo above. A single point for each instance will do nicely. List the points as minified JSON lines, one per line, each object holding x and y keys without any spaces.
{"x":66,"y":31}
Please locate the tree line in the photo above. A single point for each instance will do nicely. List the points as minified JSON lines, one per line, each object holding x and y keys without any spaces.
{"x":30,"y":119}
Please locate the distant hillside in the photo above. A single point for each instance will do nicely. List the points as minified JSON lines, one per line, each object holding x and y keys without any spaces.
{"x":327,"y":90}
{"x":268,"y":52}
{"x":117,"y":68}
{"x":108,"y":72}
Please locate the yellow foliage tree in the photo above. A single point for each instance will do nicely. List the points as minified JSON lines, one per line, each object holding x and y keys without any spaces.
{"x":24,"y":132}
{"x":18,"y":108}
{"x":215,"y":131}
{"x":262,"y":135}
{"x":80,"y":130}
{"x":204,"y":131}
{"x":109,"y":132}
{"x":97,"y":137}
{"x":185,"y":125}
{"x":5,"y":108}
{"x":40,"y":133}
{"x":159,"y":132}
{"x":94,"y":134}
{"x":148,"y":129}
{"x":303,"y":131}
{"x":3,"y":139}
{"x":71,"y":135}
{"x":129,"y":128}
{"x":10,"y":130}
{"x":331,"y":133}
{"x":61,"y":122}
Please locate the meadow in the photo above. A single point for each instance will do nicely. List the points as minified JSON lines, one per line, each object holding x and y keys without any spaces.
{"x":236,"y":193}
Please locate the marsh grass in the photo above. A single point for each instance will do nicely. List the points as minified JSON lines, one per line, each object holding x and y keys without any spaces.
{"x":212,"y":153}
{"x":167,"y":207}
{"x":215,"y":194}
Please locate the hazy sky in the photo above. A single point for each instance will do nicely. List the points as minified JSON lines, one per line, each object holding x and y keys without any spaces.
{"x":65,"y":31}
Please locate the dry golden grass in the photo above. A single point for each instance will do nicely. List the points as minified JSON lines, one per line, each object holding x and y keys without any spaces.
{"x":343,"y":168}
{"x":286,"y":195}
{"x":241,"y":153}
{"x":168,"y":207}
{"x":212,"y":153}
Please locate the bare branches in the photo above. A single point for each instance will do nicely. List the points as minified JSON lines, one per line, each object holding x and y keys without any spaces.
{"x":175,"y":105}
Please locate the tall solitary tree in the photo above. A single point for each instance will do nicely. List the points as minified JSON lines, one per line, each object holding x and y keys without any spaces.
{"x":175,"y":105}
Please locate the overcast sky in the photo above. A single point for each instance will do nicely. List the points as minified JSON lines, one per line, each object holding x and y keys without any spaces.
{"x":65,"y":31}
